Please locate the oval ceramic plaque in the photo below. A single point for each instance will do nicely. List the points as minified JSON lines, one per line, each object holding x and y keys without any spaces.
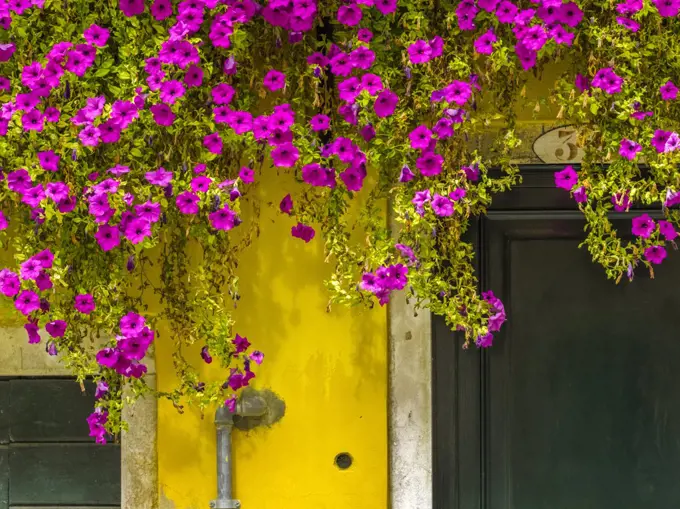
{"x":558,"y":146}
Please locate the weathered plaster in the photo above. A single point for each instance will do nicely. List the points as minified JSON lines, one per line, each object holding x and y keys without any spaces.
{"x":410,"y":404}
{"x":139,"y":454}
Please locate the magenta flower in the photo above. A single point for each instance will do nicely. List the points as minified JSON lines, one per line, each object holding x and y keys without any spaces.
{"x":570,"y":14}
{"x":672,"y":144}
{"x":364,"y":35}
{"x":89,"y":136}
{"x":667,"y":230}
{"x":48,"y":160}
{"x":484,"y":43}
{"x":240,"y":343}
{"x":108,"y":357}
{"x":385,"y":103}
{"x":132,"y":324}
{"x":668,"y":91}
{"x":430,"y":164}
{"x":655,"y":254}
{"x":607,"y":80}
{"x":6,"y":51}
{"x":9,"y":283}
{"x":33,"y":332}
{"x":205,"y":355}
{"x":349,"y":15}
{"x":222,"y":93}
{"x":386,"y":7}
{"x":286,"y":205}
{"x":667,"y":8}
{"x":362,"y":58}
{"x":162,"y":114}
{"x":3,"y":221}
{"x":643,"y":226}
{"x":187,"y":202}
{"x":526,"y":56}
{"x":108,"y":237}
{"x":420,"y":137}
{"x":224,"y":219}
{"x":274,"y":80}
{"x":256,"y":356}
{"x":32,"y":120}
{"x":27,"y":302}
{"x":30,"y":269}
{"x":161,"y":9}
{"x":19,"y":180}
{"x":96,"y":35}
{"x":628,"y":23}
{"x":441,"y":205}
{"x":43,"y":281}
{"x":213,"y":142}
{"x":247,"y":175}
{"x":534,"y":38}
{"x":658,"y":140}
{"x":420,"y":52}
{"x":420,"y":199}
{"x":566,"y":178}
{"x":171,"y":90}
{"x":201,"y":184}
{"x":580,"y":195}
{"x":131,"y":7}
{"x":506,"y":12}
{"x":84,"y":303}
{"x":56,"y":328}
{"x":32,"y":196}
{"x":302,"y":231}
{"x":160,"y":177}
{"x":285,"y":155}
{"x":406,"y":175}
{"x":320,"y":122}
{"x":629,"y":149}
{"x":457,"y":194}
{"x":137,"y":230}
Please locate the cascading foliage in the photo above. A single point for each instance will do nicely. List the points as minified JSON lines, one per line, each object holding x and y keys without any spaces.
{"x":134,"y":137}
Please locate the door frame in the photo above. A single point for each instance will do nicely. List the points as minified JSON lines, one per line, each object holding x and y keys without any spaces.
{"x":139,"y":457}
{"x":420,"y":362}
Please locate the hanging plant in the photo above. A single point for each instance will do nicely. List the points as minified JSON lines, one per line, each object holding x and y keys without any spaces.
{"x":134,"y":138}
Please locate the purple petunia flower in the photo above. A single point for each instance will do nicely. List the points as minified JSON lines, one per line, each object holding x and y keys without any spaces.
{"x":84,"y":303}
{"x":56,"y":328}
{"x":655,"y":254}
{"x":643,"y":226}
{"x":223,"y":219}
{"x":420,"y":137}
{"x":187,"y":202}
{"x":213,"y":142}
{"x":274,"y":80}
{"x":48,"y":160}
{"x":484,"y":43}
{"x":420,"y":52}
{"x":302,"y":231}
{"x":137,"y":230}
{"x":285,"y":155}
{"x":320,"y":122}
{"x":286,"y":205}
{"x":566,"y":178}
{"x":430,"y":164}
{"x":160,"y":177}
{"x":108,"y":237}
{"x":96,"y":35}
{"x":441,"y":205}
{"x":27,"y":302}
{"x":667,"y":230}
{"x":629,"y":149}
{"x":668,"y":91}
{"x":385,"y":103}
{"x":9,"y":283}
{"x":607,"y":80}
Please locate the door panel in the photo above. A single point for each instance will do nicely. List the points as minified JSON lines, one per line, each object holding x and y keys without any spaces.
{"x":583,"y":390}
{"x":577,"y":404}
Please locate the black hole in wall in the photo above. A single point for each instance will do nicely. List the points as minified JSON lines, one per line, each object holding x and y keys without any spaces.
{"x":343,"y":461}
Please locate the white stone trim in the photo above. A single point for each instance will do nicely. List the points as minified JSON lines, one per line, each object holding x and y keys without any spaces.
{"x":410,"y":404}
{"x":139,"y":457}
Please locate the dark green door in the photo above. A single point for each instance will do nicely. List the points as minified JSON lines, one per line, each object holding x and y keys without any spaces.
{"x":47,"y":459}
{"x":577,"y":404}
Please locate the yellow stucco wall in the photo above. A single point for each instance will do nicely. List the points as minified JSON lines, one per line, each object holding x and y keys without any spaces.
{"x":331,"y":370}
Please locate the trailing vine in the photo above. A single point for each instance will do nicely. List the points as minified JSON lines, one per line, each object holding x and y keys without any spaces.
{"x":134,"y":138}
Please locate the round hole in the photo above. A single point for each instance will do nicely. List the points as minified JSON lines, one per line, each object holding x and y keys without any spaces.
{"x":343,"y":461}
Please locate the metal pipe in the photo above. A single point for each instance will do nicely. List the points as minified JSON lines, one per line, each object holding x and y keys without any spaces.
{"x":249,"y":406}
{"x":224,"y":423}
